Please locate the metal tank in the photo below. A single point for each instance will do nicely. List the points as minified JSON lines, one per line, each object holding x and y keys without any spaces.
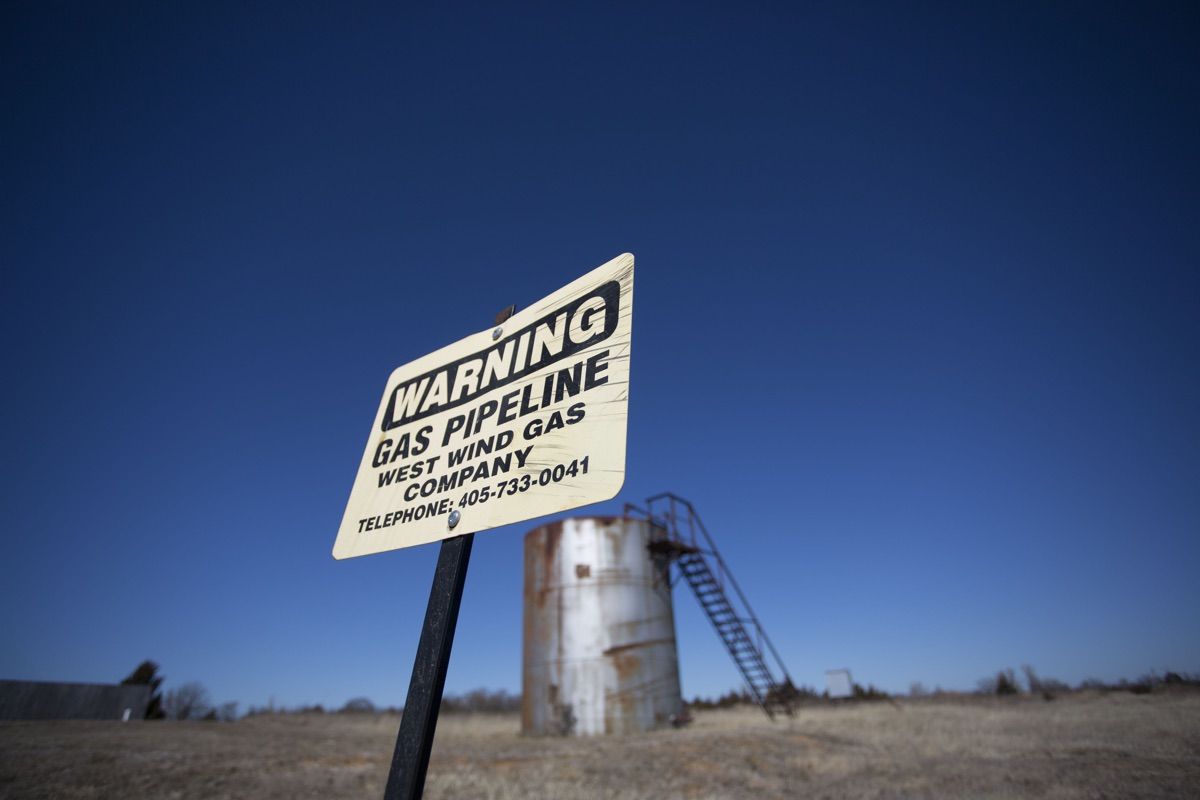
{"x":599,"y":651}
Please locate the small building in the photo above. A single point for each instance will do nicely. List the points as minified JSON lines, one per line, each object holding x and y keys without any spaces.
{"x":46,"y":700}
{"x":838,"y":683}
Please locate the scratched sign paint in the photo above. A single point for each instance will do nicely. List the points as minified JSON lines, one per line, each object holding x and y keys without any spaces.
{"x":508,"y":424}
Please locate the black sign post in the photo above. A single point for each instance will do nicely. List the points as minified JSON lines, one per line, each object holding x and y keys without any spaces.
{"x":406,"y":780}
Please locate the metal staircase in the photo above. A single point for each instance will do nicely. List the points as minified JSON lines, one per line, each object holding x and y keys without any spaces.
{"x":687,"y":543}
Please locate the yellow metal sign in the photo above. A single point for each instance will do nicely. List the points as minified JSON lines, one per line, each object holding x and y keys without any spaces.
{"x":508,"y":424}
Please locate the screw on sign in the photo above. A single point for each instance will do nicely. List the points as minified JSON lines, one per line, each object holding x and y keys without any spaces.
{"x":522,"y":420}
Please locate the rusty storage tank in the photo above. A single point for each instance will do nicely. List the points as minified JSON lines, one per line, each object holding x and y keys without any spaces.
{"x":599,"y":650}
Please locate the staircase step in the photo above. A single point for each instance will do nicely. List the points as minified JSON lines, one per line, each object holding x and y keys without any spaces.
{"x":731,"y":625}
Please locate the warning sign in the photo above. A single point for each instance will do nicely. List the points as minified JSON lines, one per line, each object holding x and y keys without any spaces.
{"x":508,"y":424}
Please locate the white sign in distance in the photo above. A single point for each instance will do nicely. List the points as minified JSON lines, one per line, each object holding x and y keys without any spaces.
{"x":514,"y":422}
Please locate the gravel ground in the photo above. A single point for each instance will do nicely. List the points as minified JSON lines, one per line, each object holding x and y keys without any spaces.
{"x":1084,"y":746}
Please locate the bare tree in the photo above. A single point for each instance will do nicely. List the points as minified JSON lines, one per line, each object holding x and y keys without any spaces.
{"x":189,"y":701}
{"x":358,"y":705}
{"x":1048,"y":688}
{"x":481,"y":701}
{"x":1005,"y":683}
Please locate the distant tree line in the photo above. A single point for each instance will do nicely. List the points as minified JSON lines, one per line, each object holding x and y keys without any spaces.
{"x":191,"y":701}
{"x":476,"y":701}
{"x":1005,"y":683}
{"x":188,"y":701}
{"x":481,"y":701}
{"x":789,"y":693}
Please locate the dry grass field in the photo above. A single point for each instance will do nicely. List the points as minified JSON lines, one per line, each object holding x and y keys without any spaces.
{"x":1083,"y":746}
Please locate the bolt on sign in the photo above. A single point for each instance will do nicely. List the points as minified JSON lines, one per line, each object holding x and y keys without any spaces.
{"x":514,"y":422}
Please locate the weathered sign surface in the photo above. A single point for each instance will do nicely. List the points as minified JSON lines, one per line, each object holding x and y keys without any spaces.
{"x":508,"y":424}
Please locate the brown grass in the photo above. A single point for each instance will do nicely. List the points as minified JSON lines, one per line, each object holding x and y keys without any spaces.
{"x":1114,"y":745}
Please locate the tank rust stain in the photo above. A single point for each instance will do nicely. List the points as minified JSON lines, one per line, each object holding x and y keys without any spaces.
{"x":620,"y":706}
{"x":630,"y":698}
{"x":627,"y":665}
{"x":535,"y":593}
{"x":550,"y":535}
{"x":553,"y":534}
{"x":621,"y":648}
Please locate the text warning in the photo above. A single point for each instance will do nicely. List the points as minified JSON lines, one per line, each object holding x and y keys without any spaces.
{"x":508,"y":424}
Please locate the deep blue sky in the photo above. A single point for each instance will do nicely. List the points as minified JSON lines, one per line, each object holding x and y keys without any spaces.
{"x":917,"y":322}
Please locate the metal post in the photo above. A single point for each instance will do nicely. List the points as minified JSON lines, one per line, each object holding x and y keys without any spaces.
{"x":406,"y":781}
{"x":414,"y":742}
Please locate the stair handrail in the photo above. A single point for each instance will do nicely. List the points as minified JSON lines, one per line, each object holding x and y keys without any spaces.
{"x":724,"y":569}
